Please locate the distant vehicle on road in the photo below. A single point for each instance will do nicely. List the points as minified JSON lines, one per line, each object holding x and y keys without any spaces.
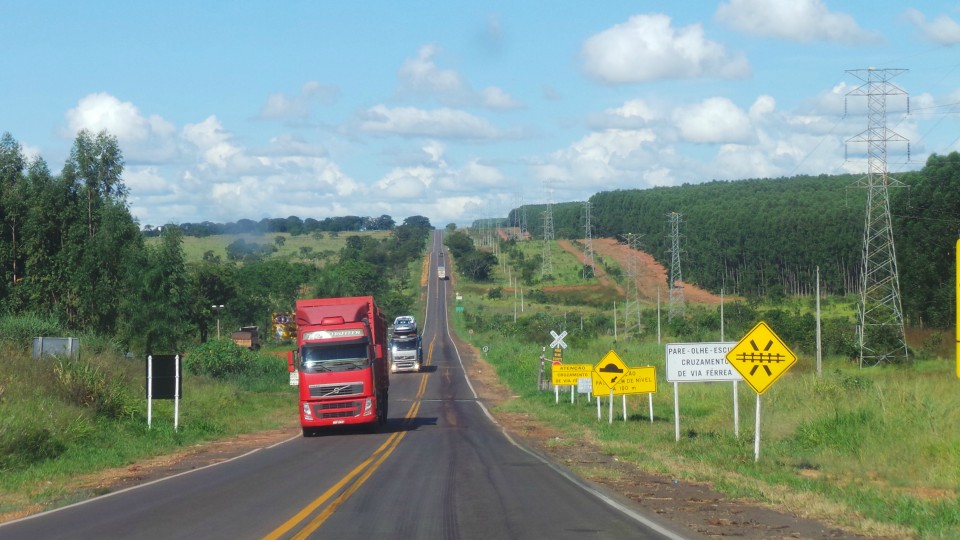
{"x":404,"y":324}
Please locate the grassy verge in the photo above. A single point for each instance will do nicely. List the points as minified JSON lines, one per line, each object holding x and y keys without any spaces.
{"x":873,"y":449}
{"x":66,"y":418}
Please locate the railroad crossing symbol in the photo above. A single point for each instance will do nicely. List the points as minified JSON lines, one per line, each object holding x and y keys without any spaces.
{"x":610,"y":368}
{"x":761,"y":357}
{"x":558,"y":339}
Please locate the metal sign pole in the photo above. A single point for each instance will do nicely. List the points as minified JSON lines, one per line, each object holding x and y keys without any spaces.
{"x":176,"y":393}
{"x":599,"y":414}
{"x":651,"y":407}
{"x":573,"y":393}
{"x":736,"y":411}
{"x":756,"y":437}
{"x":610,"y":411}
{"x":149,"y":391}
{"x":556,"y":391}
{"x":624,"y":407}
{"x":676,"y":408}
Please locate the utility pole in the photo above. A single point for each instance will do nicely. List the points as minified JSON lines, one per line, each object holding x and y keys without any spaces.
{"x":880,"y":331}
{"x":677,"y":307}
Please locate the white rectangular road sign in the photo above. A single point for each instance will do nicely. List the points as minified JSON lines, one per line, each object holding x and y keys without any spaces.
{"x":700,"y":362}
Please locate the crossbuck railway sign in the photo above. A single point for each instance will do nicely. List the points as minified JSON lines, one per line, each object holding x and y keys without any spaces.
{"x":558,"y":339}
{"x":761,"y":357}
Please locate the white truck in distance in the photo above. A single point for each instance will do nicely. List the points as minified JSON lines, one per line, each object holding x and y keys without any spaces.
{"x":406,"y":352}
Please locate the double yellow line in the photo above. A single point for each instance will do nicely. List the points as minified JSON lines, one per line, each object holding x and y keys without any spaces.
{"x":350,"y":483}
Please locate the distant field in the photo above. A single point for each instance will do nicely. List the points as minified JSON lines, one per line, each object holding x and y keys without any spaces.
{"x":292,"y":247}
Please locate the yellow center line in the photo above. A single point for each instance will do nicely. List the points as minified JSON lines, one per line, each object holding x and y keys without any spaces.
{"x":364,"y":470}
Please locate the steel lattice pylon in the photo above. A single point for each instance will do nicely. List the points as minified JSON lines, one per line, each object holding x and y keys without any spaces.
{"x":880,"y":331}
{"x":547,"y":267}
{"x":632,"y":305}
{"x":677,"y":307}
{"x":588,"y":241}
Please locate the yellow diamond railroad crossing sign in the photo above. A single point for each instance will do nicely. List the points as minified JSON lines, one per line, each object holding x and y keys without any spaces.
{"x":761,"y":357}
{"x":610,"y":369}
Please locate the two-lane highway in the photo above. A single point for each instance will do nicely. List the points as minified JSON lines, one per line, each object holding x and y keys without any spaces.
{"x":441,"y":468}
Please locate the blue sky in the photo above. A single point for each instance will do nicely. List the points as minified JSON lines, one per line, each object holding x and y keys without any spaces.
{"x":460,"y":110}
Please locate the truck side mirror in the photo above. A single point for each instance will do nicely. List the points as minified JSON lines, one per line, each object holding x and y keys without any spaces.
{"x":290,"y":365}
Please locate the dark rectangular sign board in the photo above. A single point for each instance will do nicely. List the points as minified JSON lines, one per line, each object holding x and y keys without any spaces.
{"x":165,"y":382}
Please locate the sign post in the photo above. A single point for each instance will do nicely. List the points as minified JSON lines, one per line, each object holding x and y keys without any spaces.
{"x":164,"y":382}
{"x":639,"y":380}
{"x":761,"y":357}
{"x":609,"y":370}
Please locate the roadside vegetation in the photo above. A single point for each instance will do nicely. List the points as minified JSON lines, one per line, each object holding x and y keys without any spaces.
{"x":872,"y":449}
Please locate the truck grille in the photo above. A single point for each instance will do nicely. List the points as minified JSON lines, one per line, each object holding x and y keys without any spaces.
{"x":336,"y":390}
{"x":343,"y":409}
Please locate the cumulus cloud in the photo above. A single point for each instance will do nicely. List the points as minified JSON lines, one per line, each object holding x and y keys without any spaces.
{"x":298,"y":106}
{"x":441,"y":123}
{"x":942,"y":30}
{"x":714,"y":120}
{"x":605,"y":160}
{"x":649,"y":47}
{"x":793,"y":20}
{"x":142,"y":137}
{"x":422,"y":78}
{"x":435,"y":175}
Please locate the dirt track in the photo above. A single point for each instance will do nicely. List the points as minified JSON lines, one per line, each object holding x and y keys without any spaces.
{"x":651,"y":276}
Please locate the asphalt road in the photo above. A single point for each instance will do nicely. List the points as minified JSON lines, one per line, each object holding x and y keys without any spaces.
{"x":440,"y":469}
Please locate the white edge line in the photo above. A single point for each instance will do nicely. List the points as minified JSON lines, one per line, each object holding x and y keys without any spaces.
{"x":150,"y":483}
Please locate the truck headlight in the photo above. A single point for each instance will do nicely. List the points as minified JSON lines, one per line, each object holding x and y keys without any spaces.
{"x":307,"y":415}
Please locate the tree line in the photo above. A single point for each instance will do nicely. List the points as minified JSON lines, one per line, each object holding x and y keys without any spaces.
{"x":71,"y":251}
{"x":767,"y":237}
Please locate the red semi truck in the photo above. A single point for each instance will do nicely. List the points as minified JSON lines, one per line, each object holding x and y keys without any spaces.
{"x":341,"y":362}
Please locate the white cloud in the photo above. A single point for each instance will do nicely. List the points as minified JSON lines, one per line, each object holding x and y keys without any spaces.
{"x":420,"y":77}
{"x":496,"y":98}
{"x":648,"y":47}
{"x":601,"y":160}
{"x":942,"y":30}
{"x":793,"y":20}
{"x":297,"y":107}
{"x":441,"y":123}
{"x":714,"y":120}
{"x":142,"y":138}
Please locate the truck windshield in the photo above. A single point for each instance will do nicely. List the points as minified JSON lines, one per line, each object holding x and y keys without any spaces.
{"x":334,"y":358}
{"x":408,"y":345}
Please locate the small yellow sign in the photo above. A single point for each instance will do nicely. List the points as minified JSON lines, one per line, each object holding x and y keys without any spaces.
{"x":600,"y":388}
{"x":638,"y":380}
{"x":761,"y":357}
{"x":568,"y":374}
{"x":610,"y":369}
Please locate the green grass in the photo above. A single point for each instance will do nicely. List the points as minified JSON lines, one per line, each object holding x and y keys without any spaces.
{"x":880,"y":442}
{"x":53,"y":426}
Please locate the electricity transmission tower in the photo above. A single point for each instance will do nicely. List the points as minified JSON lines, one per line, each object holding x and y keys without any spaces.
{"x":880,"y":331}
{"x":677,"y":307}
{"x":547,"y":268}
{"x":588,"y":242}
{"x":631,"y":307}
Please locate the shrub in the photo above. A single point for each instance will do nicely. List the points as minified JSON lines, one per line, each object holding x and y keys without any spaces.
{"x":18,"y":331}
{"x":221,"y":358}
{"x":86,"y":385}
{"x":23,"y":445}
